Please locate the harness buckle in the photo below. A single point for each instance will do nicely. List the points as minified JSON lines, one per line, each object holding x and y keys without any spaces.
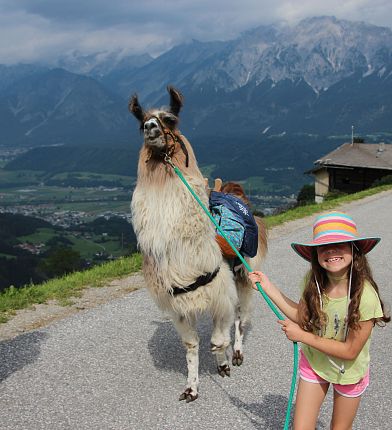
{"x":168,"y":160}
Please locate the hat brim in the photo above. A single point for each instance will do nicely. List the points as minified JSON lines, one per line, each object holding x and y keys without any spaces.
{"x":304,"y":250}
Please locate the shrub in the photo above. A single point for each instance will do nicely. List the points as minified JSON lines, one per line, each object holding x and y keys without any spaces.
{"x":385,"y":180}
{"x":334,"y":194}
{"x":306,"y":194}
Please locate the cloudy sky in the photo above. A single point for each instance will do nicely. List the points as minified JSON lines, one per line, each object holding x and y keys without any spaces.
{"x":32,"y":30}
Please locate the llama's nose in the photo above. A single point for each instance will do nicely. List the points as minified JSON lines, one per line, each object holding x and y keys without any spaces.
{"x":151,"y":130}
{"x":150,"y":125}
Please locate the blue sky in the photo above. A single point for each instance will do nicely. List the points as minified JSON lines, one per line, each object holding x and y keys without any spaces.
{"x":33,"y":30}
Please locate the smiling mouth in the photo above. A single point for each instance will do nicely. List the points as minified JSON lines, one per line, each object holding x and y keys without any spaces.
{"x":333,"y":259}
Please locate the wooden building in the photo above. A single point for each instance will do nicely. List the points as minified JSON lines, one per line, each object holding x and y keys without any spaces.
{"x":351,"y":167}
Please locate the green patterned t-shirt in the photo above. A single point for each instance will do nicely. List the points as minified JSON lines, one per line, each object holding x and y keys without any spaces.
{"x":355,"y":370}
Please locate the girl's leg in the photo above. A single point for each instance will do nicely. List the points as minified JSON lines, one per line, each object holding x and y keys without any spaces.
{"x":310,"y":396}
{"x":344,"y":411}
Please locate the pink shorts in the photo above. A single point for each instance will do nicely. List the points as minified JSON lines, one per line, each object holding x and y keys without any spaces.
{"x":352,"y":390}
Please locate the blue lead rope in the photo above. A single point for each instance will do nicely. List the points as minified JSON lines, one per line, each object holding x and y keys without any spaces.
{"x":260,"y":289}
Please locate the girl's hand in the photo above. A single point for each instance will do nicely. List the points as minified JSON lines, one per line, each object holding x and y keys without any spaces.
{"x":292,"y":330}
{"x":262,"y":279}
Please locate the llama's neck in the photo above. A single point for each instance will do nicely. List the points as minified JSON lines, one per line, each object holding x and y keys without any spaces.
{"x":155,"y":169}
{"x":170,"y":225}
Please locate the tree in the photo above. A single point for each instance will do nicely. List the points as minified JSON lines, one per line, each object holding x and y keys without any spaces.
{"x":61,"y":261}
{"x":306,"y":194}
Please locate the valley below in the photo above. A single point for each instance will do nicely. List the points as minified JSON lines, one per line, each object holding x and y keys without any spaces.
{"x":53,"y":223}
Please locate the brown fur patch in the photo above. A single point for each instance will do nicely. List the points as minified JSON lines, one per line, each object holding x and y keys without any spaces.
{"x":235,"y":189}
{"x":263,"y":236}
{"x":157,"y":172}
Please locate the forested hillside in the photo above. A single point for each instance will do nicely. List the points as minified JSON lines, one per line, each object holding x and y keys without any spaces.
{"x":33,"y":250}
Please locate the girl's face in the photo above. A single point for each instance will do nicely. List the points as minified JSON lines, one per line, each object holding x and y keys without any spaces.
{"x":335,"y":258}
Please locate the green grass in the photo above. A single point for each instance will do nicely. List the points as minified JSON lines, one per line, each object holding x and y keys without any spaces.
{"x":307,"y":210}
{"x":41,"y":235}
{"x":92,"y":209}
{"x":35,"y":176}
{"x":257,"y":184}
{"x":59,"y":197}
{"x":20,"y":176}
{"x":95,"y":176}
{"x":63,"y":289}
{"x":86,"y":247}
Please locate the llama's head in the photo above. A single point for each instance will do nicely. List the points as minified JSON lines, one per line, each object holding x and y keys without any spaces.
{"x":158,"y":126}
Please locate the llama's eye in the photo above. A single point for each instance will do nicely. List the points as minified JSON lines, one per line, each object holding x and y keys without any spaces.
{"x":169,"y":120}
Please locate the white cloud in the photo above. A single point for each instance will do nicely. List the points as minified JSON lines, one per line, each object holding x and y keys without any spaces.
{"x":26,"y":38}
{"x":33,"y":30}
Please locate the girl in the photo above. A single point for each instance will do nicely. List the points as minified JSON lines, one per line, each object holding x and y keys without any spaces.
{"x":334,"y":318}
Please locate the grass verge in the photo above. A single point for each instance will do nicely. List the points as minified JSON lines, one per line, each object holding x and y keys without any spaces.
{"x":62,"y":289}
{"x":310,"y":209}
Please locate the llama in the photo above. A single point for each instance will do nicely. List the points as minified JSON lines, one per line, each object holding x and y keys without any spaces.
{"x":183,"y":266}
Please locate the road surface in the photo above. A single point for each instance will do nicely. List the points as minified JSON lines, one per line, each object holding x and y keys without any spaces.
{"x":122,"y":366}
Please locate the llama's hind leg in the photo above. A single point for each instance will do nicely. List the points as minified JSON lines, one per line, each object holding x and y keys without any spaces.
{"x":220,"y":340}
{"x":186,"y":328}
{"x":242,"y":315}
{"x":238,"y":355}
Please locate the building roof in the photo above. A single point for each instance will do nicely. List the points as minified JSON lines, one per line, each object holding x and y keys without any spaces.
{"x":368,"y":155}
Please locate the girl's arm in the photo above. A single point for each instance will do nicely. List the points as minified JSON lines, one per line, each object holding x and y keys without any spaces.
{"x":286,"y":305}
{"x":347,"y":350}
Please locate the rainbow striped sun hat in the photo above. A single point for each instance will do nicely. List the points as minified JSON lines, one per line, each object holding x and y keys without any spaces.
{"x":335,"y":227}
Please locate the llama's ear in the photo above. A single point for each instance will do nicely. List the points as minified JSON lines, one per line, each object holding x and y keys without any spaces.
{"x":218,"y":185}
{"x":135,"y":108}
{"x":175,"y":100}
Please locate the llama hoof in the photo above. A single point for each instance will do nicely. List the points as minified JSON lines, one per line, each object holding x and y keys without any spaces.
{"x":238,"y":358}
{"x":224,"y":370}
{"x":188,"y":396}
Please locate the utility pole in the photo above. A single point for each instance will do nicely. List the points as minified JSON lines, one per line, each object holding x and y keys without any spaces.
{"x":352,"y":135}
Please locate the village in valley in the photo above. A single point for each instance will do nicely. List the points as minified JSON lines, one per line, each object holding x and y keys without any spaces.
{"x":45,"y":219}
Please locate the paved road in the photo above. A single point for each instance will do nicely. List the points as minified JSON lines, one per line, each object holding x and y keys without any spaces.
{"x":122,"y":366}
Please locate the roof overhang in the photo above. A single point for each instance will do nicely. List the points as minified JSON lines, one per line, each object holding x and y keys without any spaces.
{"x":343,"y":166}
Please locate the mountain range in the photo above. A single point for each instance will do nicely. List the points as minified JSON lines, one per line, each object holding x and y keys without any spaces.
{"x":275,"y":90}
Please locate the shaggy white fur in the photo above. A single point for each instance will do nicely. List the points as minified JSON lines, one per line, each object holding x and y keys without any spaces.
{"x":178,"y":243}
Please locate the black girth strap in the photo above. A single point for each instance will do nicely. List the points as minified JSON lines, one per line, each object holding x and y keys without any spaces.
{"x":200,"y":281}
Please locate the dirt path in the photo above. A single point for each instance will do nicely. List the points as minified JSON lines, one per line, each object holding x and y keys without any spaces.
{"x":43,"y":314}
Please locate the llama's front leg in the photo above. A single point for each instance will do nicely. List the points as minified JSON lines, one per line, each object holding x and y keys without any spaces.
{"x":186,"y":328}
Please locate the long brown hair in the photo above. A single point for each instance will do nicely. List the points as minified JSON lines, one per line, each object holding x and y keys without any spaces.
{"x":311,"y":316}
{"x":235,"y":189}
